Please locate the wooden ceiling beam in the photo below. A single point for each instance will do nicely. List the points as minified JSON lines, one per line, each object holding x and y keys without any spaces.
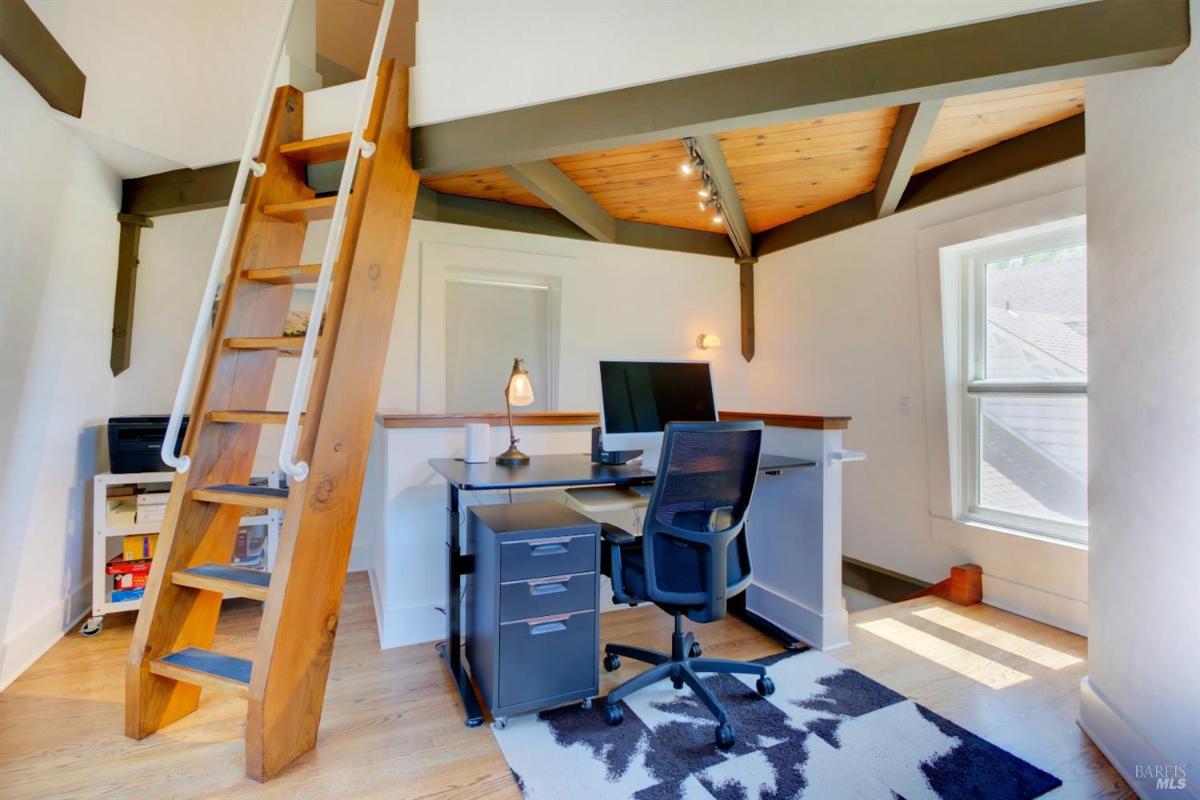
{"x":732,"y":216}
{"x":34,"y":52}
{"x":548,"y":183}
{"x":1030,"y":151}
{"x":1069,"y":42}
{"x":913,"y":126}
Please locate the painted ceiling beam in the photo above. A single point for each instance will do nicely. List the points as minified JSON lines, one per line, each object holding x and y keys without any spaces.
{"x":551,"y":185}
{"x":913,"y":126}
{"x":1034,"y":150}
{"x":733,"y":217}
{"x":1060,"y":43}
{"x":437,"y":207}
{"x":34,"y":52}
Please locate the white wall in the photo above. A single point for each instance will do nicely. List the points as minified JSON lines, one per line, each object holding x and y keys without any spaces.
{"x":475,"y":57}
{"x":839,"y":331}
{"x":58,"y":248}
{"x":1141,"y":700}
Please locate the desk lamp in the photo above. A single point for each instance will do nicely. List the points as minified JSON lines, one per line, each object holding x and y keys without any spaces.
{"x":517,"y":392}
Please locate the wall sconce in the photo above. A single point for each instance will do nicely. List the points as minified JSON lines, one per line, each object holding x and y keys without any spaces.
{"x":707,"y":341}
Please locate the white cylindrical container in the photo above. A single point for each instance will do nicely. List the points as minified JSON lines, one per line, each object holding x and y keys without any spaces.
{"x":478,"y":443}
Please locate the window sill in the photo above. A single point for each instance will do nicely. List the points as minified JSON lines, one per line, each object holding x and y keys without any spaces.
{"x":1020,"y":533}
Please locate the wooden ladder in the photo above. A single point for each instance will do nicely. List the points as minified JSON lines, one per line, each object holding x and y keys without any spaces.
{"x":170,"y":659}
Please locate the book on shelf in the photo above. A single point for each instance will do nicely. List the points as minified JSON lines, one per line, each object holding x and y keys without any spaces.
{"x":117,"y":565}
{"x":139,"y":546}
{"x":129,"y":580}
{"x":147,"y":514}
{"x":121,"y":511}
{"x":153,"y":499}
{"x":121,"y":595}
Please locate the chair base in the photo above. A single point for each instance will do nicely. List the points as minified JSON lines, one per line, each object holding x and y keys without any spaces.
{"x":683,"y":669}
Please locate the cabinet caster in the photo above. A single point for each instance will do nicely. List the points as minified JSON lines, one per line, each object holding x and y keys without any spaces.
{"x":613,"y":714}
{"x":92,"y":627}
{"x":725,"y":736}
{"x":695,"y":651}
{"x":500,"y":723}
{"x":765,"y":686}
{"x":586,"y":703}
{"x":612,"y":662}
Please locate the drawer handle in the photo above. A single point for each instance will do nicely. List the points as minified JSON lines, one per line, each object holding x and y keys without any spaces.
{"x":544,"y":625}
{"x":548,"y":548}
{"x":552,"y":586}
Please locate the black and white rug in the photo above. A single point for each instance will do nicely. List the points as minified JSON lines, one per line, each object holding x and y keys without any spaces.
{"x":828,"y":732}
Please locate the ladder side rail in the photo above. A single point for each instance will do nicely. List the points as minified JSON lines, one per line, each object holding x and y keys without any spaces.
{"x":358,"y":145}
{"x":246,"y":165}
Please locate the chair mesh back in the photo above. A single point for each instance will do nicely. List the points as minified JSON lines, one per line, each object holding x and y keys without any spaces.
{"x":707,"y":470}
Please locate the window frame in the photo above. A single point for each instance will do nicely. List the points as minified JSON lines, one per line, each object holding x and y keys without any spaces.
{"x":973,"y":385}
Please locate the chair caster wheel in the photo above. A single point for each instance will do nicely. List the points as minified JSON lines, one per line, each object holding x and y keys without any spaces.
{"x":677,"y":683}
{"x":765,"y":686}
{"x":725,"y":736}
{"x":612,"y":662}
{"x":613,"y":714}
{"x":695,"y":651}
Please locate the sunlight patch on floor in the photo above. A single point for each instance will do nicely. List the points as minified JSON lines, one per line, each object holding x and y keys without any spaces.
{"x":1003,"y":640}
{"x":971,"y":665}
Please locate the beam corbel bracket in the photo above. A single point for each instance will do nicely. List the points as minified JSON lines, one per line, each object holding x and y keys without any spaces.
{"x":746,"y":287}
{"x":127,"y":262}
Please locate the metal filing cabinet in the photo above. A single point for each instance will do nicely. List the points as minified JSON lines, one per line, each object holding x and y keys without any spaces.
{"x":533,"y":634}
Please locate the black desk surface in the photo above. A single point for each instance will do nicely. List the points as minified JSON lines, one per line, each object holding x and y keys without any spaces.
{"x":564,"y":470}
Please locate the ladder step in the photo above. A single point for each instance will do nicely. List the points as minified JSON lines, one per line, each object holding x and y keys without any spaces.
{"x":286,"y":345}
{"x":234,"y":494}
{"x":251,"y":417}
{"x":227,"y":579}
{"x":206,"y":668}
{"x":318,"y":150}
{"x":304,"y":273}
{"x":302,"y":210}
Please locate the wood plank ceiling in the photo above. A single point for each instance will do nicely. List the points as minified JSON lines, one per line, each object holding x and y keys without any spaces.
{"x":783,"y":172}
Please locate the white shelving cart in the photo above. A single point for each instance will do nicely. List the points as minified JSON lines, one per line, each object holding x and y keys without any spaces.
{"x":109,"y":540}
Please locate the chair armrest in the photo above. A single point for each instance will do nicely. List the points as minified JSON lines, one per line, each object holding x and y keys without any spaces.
{"x":614,"y":535}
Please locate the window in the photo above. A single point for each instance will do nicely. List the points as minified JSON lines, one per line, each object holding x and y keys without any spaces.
{"x":1022,"y":381}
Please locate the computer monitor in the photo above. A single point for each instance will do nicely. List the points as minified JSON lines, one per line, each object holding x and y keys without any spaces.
{"x":639,"y":398}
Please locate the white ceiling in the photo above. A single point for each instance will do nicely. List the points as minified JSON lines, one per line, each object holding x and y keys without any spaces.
{"x":170,"y":83}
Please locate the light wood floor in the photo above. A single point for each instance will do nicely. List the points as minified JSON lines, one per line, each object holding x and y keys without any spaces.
{"x":392,"y":726}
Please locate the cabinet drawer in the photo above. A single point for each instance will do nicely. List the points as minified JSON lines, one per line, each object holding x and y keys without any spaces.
{"x":541,"y":558}
{"x":540,"y":597}
{"x":547,"y":657}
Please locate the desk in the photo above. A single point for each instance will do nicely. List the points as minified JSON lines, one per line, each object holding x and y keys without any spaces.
{"x":542,"y":472}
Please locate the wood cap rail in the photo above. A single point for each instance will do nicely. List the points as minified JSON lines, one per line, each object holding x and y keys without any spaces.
{"x":397,"y":420}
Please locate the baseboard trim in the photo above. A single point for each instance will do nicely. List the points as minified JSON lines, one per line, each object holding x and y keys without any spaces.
{"x":825,"y":632}
{"x":1038,"y":604}
{"x":1124,"y":747}
{"x":22,"y":649}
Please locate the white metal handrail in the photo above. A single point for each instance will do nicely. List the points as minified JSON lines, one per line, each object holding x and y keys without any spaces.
{"x":246,"y":165}
{"x":287,"y":449}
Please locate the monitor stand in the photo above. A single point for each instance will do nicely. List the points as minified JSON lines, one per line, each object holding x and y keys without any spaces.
{"x":615,"y":457}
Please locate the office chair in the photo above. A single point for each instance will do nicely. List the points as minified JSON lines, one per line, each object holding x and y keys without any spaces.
{"x":691,"y":557}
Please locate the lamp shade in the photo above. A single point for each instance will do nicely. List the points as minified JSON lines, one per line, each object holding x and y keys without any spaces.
{"x":707,"y":341}
{"x":520,"y":388}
